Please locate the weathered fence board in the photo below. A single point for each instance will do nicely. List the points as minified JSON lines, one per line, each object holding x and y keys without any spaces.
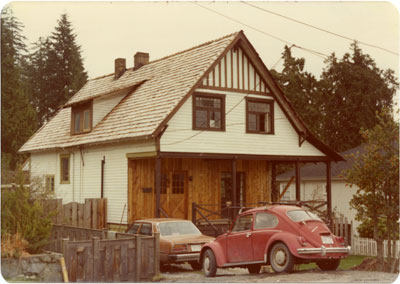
{"x":90,"y":256}
{"x":91,"y":214}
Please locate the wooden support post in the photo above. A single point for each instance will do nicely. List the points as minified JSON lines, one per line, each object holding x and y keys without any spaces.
{"x":298,"y":197}
{"x":329,"y":192}
{"x":194,"y":212}
{"x":234,"y":189}
{"x":158,"y":186}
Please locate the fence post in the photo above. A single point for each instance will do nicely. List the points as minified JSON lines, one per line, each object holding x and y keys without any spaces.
{"x":138,"y":258}
{"x":157,"y":253}
{"x":96,"y":258}
{"x":64,"y":251}
{"x":346,"y":232}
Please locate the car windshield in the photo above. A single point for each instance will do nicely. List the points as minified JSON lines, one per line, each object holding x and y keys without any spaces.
{"x":302,"y":215}
{"x":178,"y":228}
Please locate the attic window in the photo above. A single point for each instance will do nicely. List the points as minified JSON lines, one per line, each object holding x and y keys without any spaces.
{"x":81,"y":118}
{"x":209,"y":112}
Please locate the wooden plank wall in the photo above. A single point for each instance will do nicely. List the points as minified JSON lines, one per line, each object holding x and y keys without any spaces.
{"x":91,"y":214}
{"x":204,"y":185}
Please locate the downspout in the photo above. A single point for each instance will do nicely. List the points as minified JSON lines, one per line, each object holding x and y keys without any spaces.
{"x":102,"y":176}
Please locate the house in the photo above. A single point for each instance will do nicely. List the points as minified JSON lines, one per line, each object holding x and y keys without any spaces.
{"x":156,"y":137}
{"x":313,"y":185}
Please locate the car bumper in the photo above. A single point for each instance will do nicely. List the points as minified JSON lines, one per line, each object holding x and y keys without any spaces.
{"x":183,"y":257}
{"x":323,"y":250}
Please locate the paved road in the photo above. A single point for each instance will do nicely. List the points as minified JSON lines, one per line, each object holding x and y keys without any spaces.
{"x":183,"y":273}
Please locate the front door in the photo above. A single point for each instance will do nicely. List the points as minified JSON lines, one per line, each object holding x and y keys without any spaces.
{"x":174,"y":194}
{"x":227,"y":191}
{"x":239,"y":242}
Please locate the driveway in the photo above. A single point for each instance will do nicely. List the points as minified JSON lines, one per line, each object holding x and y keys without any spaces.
{"x":183,"y":273}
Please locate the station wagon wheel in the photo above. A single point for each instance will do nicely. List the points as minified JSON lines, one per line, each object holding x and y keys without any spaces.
{"x":209,"y":263}
{"x":331,"y":264}
{"x":281,"y":259}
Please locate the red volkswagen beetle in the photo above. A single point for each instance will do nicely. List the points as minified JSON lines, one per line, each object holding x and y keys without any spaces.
{"x":276,"y":235}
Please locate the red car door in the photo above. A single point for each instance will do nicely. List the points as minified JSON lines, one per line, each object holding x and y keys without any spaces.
{"x":265,"y":226}
{"x":239,"y":244}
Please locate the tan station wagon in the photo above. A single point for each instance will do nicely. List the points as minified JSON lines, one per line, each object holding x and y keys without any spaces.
{"x":180,"y":240}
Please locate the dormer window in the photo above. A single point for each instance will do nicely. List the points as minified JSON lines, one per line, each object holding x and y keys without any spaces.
{"x":81,"y":118}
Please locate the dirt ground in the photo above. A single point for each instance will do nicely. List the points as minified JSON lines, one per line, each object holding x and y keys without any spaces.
{"x":183,"y":273}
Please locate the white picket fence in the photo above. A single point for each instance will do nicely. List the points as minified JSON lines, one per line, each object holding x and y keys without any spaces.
{"x":367,"y":247}
{"x":359,"y":246}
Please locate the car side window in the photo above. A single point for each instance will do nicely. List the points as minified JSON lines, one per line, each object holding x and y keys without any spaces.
{"x":265,"y":220}
{"x":243,"y":223}
{"x":145,"y":229}
{"x":134,"y":229}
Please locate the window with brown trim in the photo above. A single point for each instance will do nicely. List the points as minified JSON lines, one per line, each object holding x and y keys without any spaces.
{"x":64,"y":168}
{"x":81,"y":118}
{"x":259,"y":116}
{"x":50,"y":183}
{"x":209,"y":112}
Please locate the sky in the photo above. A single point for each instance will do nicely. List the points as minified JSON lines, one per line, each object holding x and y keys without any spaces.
{"x":109,"y":30}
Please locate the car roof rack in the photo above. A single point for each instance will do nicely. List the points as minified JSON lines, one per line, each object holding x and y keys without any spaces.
{"x":295,"y":203}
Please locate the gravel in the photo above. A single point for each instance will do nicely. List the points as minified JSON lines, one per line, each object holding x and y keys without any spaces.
{"x":183,"y":273}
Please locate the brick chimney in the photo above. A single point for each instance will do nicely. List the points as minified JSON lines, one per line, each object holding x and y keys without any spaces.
{"x":140,"y":59}
{"x":120,"y":67}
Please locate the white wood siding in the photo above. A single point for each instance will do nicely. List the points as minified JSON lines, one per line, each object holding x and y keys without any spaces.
{"x":179,"y":136}
{"x":102,"y":106}
{"x":85,"y":178}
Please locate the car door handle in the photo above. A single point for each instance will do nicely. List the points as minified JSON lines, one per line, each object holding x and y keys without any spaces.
{"x":248,"y":235}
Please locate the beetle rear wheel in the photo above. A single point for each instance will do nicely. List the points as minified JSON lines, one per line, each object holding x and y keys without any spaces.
{"x":281,"y":259}
{"x":331,"y":264}
{"x":209,"y":263}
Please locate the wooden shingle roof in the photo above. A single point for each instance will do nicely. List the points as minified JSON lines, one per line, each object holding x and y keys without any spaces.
{"x":154,"y":90}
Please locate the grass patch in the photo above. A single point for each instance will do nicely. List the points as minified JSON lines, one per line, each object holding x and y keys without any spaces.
{"x":346,"y":263}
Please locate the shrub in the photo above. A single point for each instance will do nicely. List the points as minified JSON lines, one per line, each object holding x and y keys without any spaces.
{"x":24,"y":214}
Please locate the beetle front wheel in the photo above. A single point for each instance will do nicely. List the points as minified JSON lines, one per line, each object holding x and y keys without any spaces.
{"x":209,"y":263}
{"x":281,"y":259}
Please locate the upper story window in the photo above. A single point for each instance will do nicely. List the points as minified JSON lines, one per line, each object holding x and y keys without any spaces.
{"x":209,"y":112}
{"x":81,"y":118}
{"x":259,"y":116}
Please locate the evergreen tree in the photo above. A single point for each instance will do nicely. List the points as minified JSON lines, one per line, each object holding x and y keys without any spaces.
{"x":18,"y":118}
{"x":301,"y":88}
{"x":353,"y":90}
{"x":69,"y":74}
{"x":345,"y":98}
{"x":56,"y":70}
{"x":41,"y":76}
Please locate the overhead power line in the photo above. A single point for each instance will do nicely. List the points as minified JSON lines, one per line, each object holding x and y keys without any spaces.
{"x":320,"y":29}
{"x":314,"y":52}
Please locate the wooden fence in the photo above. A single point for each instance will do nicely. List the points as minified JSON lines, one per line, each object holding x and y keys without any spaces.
{"x":343,"y":228}
{"x":91,"y":214}
{"x":368,"y":247}
{"x":92,"y":256}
